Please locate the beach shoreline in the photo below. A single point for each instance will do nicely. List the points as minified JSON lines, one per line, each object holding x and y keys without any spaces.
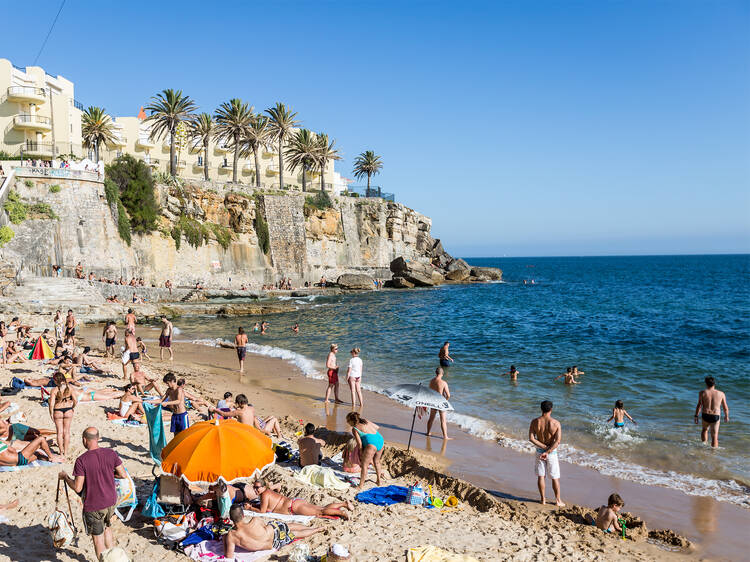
{"x":280,"y":388}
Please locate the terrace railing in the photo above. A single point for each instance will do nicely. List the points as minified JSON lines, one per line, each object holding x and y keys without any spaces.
{"x":373,"y":191}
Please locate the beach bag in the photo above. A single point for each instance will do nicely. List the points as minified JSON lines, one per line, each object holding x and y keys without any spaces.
{"x":61,"y":524}
{"x":114,"y":554}
{"x":416,"y":495}
{"x":282,"y":453}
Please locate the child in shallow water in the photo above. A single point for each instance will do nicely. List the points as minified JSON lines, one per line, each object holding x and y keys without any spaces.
{"x":606,"y":517}
{"x":619,"y":414}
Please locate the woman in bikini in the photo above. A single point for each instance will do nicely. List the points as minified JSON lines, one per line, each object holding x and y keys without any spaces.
{"x":370,"y":444}
{"x":62,"y":402}
{"x":274,"y":502}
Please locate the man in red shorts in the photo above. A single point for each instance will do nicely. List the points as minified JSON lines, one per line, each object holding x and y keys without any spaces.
{"x":333,"y":374}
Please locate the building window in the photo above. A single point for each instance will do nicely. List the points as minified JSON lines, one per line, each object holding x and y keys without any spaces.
{"x":200,"y":160}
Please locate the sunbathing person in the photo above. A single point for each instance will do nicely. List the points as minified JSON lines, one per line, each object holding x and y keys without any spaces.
{"x":13,"y":353}
{"x":245,"y":413}
{"x":258,"y":535}
{"x":143,"y":383}
{"x":13,"y":457}
{"x":274,"y":502}
{"x":21,"y":432}
{"x":239,"y":493}
{"x":130,"y":403}
{"x":99,"y":395}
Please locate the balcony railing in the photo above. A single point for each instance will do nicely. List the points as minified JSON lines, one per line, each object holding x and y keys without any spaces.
{"x":26,"y":92}
{"x":78,"y":105}
{"x":26,"y":119}
{"x":32,"y":148}
{"x":373,"y":191}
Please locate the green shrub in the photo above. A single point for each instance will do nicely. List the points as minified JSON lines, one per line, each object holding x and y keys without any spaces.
{"x":5,"y":156}
{"x":136,"y":191}
{"x":6,"y":235}
{"x":176,"y":236}
{"x":223,"y":234}
{"x":54,"y":188}
{"x":320,"y":201}
{"x":112,"y":193}
{"x":17,"y":210}
{"x":261,"y":229}
{"x":28,"y":183}
{"x":194,"y":231}
{"x":43,"y":211}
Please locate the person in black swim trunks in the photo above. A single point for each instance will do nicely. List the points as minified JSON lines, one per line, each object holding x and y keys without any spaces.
{"x":240,"y":343}
{"x":109,"y":335}
{"x":444,"y":356}
{"x":710,"y":404}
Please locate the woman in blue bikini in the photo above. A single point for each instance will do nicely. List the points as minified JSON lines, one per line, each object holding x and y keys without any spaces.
{"x":370,"y":444}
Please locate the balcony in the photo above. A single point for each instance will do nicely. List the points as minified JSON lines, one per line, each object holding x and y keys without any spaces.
{"x":249,"y":167}
{"x":40,"y":149}
{"x":26,"y":121}
{"x":272,"y":170}
{"x":198,"y":165}
{"x":119,"y":140}
{"x":27,"y":94}
{"x":144,"y":142}
{"x":181,"y":164}
{"x":219,"y":148}
{"x":269,"y":154}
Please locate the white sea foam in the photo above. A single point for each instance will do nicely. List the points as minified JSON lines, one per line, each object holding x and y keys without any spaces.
{"x":722,"y":490}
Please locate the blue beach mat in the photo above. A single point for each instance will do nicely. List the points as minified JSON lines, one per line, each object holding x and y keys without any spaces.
{"x":386,"y":495}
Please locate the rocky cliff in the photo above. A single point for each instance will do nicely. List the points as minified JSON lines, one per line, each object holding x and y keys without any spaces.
{"x":209,"y":234}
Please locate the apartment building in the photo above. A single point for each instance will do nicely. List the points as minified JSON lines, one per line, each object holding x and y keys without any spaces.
{"x":39,"y":115}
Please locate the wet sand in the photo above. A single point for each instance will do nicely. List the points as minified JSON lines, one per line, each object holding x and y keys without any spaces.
{"x":718,"y":529}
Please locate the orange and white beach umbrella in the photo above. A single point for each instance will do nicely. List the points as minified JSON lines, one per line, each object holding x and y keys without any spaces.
{"x":217,"y":450}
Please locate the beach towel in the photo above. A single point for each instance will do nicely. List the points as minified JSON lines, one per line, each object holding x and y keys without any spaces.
{"x":157,"y":437}
{"x":32,"y":464}
{"x":431,"y":553}
{"x":302,"y":519}
{"x":385,"y":495}
{"x":214,"y":551}
{"x":321,"y":477}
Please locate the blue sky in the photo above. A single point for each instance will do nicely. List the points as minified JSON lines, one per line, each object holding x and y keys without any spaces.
{"x":522,"y":128}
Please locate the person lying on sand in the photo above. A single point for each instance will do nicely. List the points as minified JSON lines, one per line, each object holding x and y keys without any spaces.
{"x":606,"y":516}
{"x":13,"y":457}
{"x":21,"y":432}
{"x":274,"y":502}
{"x":245,"y":413}
{"x":239,"y":493}
{"x":257,"y":535}
{"x":619,"y":414}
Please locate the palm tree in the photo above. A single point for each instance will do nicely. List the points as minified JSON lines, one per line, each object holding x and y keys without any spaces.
{"x":233,"y":119}
{"x":96,"y":129}
{"x":168,"y":108}
{"x":257,"y":136}
{"x":302,"y":152}
{"x":201,"y":130}
{"x":367,"y":164}
{"x":326,"y":151}
{"x":282,"y":120}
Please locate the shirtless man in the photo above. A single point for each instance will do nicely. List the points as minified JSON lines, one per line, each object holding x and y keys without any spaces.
{"x":711,"y":401}
{"x":70,"y":327}
{"x":165,"y":338}
{"x":545,"y":433}
{"x":274,"y":502}
{"x":309,"y":447}
{"x":13,"y":457}
{"x":332,"y":369}
{"x":79,"y":271}
{"x":444,"y":356}
{"x":569,"y":376}
{"x":440,"y":386}
{"x":257,"y":535}
{"x":130,"y":320}
{"x":245,"y":413}
{"x":174,"y":399}
{"x":109,"y":335}
{"x":131,"y":354}
{"x":142,"y":383}
{"x":240,"y":343}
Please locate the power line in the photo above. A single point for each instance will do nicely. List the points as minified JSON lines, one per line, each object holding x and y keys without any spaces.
{"x":49,"y":32}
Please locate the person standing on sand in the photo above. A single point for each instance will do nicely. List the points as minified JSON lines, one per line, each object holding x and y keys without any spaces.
{"x":711,"y":401}
{"x":109,"y":335}
{"x":354,"y":377}
{"x":130,"y":320}
{"x":70,"y":327}
{"x":165,"y":338}
{"x":58,"y":326}
{"x":240,"y":344}
{"x":440,"y":386}
{"x":96,"y":470}
{"x":332,"y":370}
{"x":131,"y":353}
{"x":545,"y":433}
{"x":444,"y":356}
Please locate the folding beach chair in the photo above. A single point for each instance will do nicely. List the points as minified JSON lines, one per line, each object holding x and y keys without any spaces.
{"x":127,"y":500}
{"x":173,"y":496}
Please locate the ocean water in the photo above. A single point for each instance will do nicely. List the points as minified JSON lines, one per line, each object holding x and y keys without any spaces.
{"x":645,"y":330}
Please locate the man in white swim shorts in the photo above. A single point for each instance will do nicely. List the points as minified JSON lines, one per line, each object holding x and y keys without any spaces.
{"x":545,"y":433}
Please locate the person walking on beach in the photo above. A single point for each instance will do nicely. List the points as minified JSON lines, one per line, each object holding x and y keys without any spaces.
{"x":131,"y":353}
{"x":332,"y":369}
{"x":70,"y":327}
{"x":711,"y":402}
{"x":109,"y":335}
{"x":545,"y":433}
{"x":96,"y":470}
{"x":354,"y":377}
{"x":619,"y":414}
{"x":165,"y":338}
{"x":440,"y":386}
{"x":130,"y":320}
{"x":240,"y":344}
{"x":444,"y":356}
{"x":58,"y":326}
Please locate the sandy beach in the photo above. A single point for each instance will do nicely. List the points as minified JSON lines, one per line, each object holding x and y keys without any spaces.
{"x":490,"y":524}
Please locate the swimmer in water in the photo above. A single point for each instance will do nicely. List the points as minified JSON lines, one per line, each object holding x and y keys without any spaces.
{"x":619,"y":414}
{"x":576,"y":372}
{"x":513,"y":373}
{"x":569,"y":377}
{"x":295,"y":328}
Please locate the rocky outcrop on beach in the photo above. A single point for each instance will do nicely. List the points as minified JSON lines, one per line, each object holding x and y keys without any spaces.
{"x":355,"y":281}
{"x":440,"y":269}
